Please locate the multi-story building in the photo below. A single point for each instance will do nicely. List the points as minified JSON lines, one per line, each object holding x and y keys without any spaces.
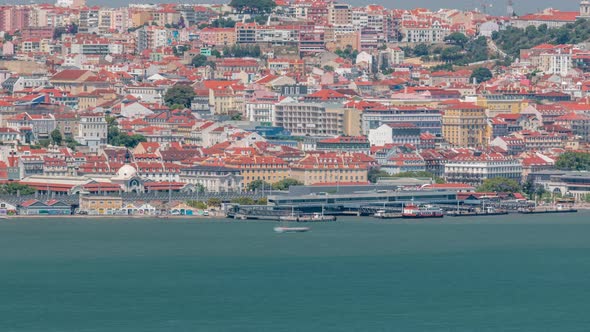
{"x":541,"y":141}
{"x":218,"y":36}
{"x":316,"y":119}
{"x":151,"y":37}
{"x":92,"y":130}
{"x":261,"y":109}
{"x":344,"y":144}
{"x":396,"y":133}
{"x":575,"y":184}
{"x":474,"y":168}
{"x":265,"y":168}
{"x":464,"y":124}
{"x":213,"y":178}
{"x":246,"y":33}
{"x":340,"y":14}
{"x":424,"y":32}
{"x":101,"y":204}
{"x":426,"y":118}
{"x":89,"y":18}
{"x":331,"y":167}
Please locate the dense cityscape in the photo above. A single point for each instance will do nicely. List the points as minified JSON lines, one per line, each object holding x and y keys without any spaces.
{"x":149,"y":109}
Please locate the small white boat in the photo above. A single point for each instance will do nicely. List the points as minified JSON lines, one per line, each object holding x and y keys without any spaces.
{"x":291,"y":229}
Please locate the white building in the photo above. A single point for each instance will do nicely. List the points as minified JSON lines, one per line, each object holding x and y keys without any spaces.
{"x":474,"y":169}
{"x":399,"y":133}
{"x":92,"y":130}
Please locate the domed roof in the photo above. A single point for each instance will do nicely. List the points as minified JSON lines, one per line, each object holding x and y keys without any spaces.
{"x":126,"y":172}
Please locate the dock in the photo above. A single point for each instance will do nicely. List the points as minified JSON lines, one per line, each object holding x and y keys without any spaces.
{"x":544,"y":211}
{"x":476,"y":214}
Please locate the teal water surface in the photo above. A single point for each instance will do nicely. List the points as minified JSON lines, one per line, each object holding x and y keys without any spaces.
{"x":515,"y":273}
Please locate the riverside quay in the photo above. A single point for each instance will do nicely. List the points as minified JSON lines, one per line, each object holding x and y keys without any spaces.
{"x":356,"y":200}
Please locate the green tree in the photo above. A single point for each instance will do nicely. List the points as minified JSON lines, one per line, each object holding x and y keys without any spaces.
{"x":214,"y":202}
{"x":243,"y":201}
{"x":262,"y":201}
{"x":481,"y":74}
{"x":457,"y":38}
{"x":451,"y":54}
{"x":419,"y":174}
{"x":347,"y":53}
{"x":258,"y":184}
{"x":180,"y":94}
{"x":197,"y":205}
{"x":56,"y":137}
{"x":248,"y":6}
{"x":44,"y":143}
{"x":13,"y":188}
{"x":71,"y":143}
{"x":199,"y":61}
{"x":421,"y":50}
{"x":285,"y":184}
{"x":117,"y":138}
{"x":500,"y":184}
{"x":573,"y":161}
{"x":375,"y":173}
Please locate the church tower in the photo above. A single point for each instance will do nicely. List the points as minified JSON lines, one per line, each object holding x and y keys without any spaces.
{"x":585,"y":9}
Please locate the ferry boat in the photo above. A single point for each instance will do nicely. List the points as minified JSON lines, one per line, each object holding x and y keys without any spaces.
{"x":382,"y":214}
{"x":291,"y":229}
{"x":315,"y":217}
{"x":416,"y":211}
{"x":489,"y":211}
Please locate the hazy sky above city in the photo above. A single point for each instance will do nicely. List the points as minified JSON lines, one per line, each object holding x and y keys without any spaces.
{"x":498,"y":7}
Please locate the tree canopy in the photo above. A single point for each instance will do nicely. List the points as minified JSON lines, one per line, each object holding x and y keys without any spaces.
{"x":457,"y":38}
{"x":258,"y":184}
{"x":574,"y":161}
{"x":375,"y":174}
{"x":512,"y":40}
{"x":56,"y":137}
{"x":243,"y":201}
{"x":201,"y":61}
{"x":500,"y":184}
{"x":286,"y":183}
{"x":180,"y":94}
{"x":13,"y":188}
{"x":347,"y":53}
{"x":249,"y":6}
{"x":240,"y":51}
{"x":117,"y":138}
{"x":481,"y":74}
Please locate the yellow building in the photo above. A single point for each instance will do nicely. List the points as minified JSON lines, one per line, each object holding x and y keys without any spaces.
{"x":331,"y":168}
{"x":352,"y":122}
{"x":100,"y":204}
{"x":495,"y":107}
{"x":464,"y":125}
{"x":139,"y":18}
{"x":265,"y":168}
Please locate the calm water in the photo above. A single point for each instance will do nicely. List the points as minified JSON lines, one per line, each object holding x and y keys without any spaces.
{"x":490,"y":274}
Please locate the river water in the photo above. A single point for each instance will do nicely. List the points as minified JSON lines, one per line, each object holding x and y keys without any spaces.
{"x":505,"y":273}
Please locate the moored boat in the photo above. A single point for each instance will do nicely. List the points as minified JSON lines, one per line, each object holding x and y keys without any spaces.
{"x":314,"y":217}
{"x":291,"y":229}
{"x":418,"y":212}
{"x":382,"y":214}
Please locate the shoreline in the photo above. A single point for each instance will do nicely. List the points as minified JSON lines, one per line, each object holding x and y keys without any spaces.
{"x":200,"y":217}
